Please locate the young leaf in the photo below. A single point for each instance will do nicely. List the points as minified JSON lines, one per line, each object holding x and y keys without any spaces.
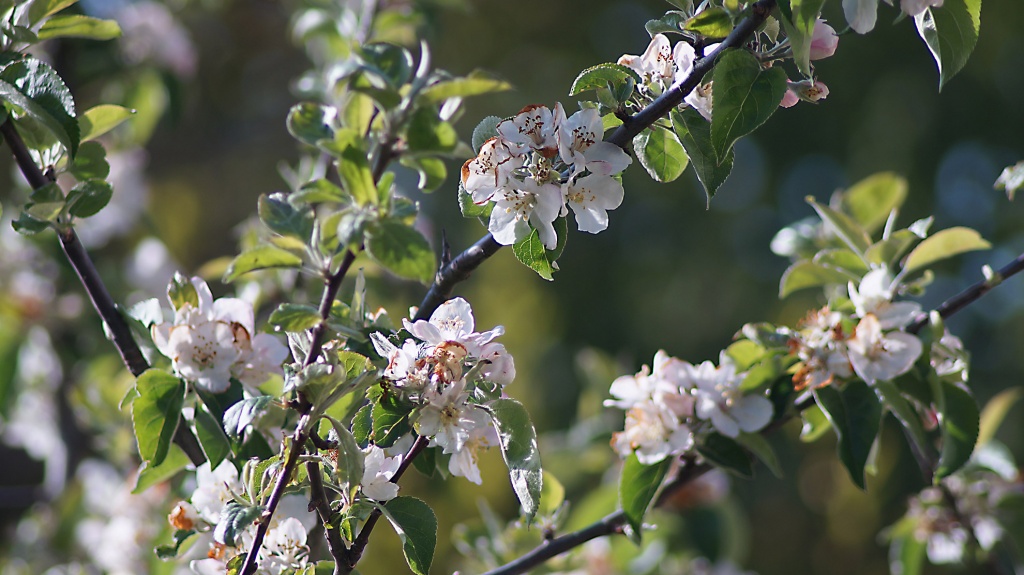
{"x":637,"y":487}
{"x":472,"y":210}
{"x":519,"y":448}
{"x":156,"y":412}
{"x":944,"y":244}
{"x":855,"y":414}
{"x":354,"y":168}
{"x":390,"y":420}
{"x":295,"y":317}
{"x":727,"y":454}
{"x":485,"y":130}
{"x":661,"y":154}
{"x":849,"y":231}
{"x":805,"y":274}
{"x":745,"y":97}
{"x":149,"y":475}
{"x":260,"y":258}
{"x":78,"y":26}
{"x":959,"y":421}
{"x":91,"y":162}
{"x":240,"y":416}
{"x":711,"y":23}
{"x":476,"y":83}
{"x":99,"y":120}
{"x":88,"y":198}
{"x":401,"y":250}
{"x":234,"y":520}
{"x":416,"y":525}
{"x":695,"y":135}
{"x":530,"y":251}
{"x":950,"y":31}
{"x":211,"y":437}
{"x":349,"y":469}
{"x":36,"y":88}
{"x":426,"y":132}
{"x":278,"y":214}
{"x":671,"y":23}
{"x":601,"y":76}
{"x":432,"y":171}
{"x":42,"y":8}
{"x":308,"y":123}
{"x":889,"y":251}
{"x":870,"y":201}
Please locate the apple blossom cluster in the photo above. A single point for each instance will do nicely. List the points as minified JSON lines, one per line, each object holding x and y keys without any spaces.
{"x":662,"y":65}
{"x":212,"y":341}
{"x":207,"y":516}
{"x":667,"y":405}
{"x":541,"y":164}
{"x":440,"y":370}
{"x":869,"y":343}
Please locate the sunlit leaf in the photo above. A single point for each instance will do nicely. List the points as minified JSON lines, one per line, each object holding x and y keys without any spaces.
{"x":944,"y":244}
{"x":661,"y":154}
{"x":156,"y":412}
{"x":695,"y":135}
{"x":870,"y":201}
{"x":260,"y":258}
{"x":99,"y":120}
{"x":79,"y":26}
{"x":416,"y":526}
{"x":476,"y":83}
{"x":637,"y":488}
{"x":806,"y":274}
{"x":601,"y":76}
{"x":401,"y":250}
{"x":995,"y":412}
{"x":518,"y":442}
{"x":745,"y":97}
{"x":951,"y":32}
{"x":711,"y":23}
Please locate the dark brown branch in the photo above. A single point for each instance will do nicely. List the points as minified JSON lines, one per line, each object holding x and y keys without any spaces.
{"x":457,"y":270}
{"x":322,"y":503}
{"x":99,"y":295}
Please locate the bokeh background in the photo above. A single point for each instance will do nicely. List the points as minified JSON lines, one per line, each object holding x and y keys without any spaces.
{"x":670,"y":273}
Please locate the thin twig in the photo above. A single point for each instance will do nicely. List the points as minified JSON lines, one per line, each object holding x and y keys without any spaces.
{"x":99,"y":295}
{"x":322,"y":503}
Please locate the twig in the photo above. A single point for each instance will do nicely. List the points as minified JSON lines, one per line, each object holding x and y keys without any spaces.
{"x":457,"y":270}
{"x":322,"y":503}
{"x":99,"y":295}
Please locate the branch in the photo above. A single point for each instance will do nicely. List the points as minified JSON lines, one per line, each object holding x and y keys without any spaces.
{"x":116,"y":326}
{"x":322,"y":502}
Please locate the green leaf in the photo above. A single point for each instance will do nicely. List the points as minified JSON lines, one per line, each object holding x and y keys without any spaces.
{"x":416,"y":526}
{"x":552,"y":495}
{"x":907,"y":554}
{"x":293,"y":317}
{"x":149,"y":475}
{"x":849,"y":231}
{"x":241,"y":415}
{"x":806,"y":274}
{"x":661,"y":154}
{"x":726,"y":453}
{"x":637,"y":487}
{"x":695,"y":134}
{"x":169,"y":552}
{"x":401,"y":250}
{"x":950,"y":32}
{"x":472,"y":210}
{"x":156,"y":412}
{"x":278,"y":214}
{"x":889,"y":251}
{"x":745,"y":97}
{"x":319,"y":191}
{"x":42,"y":8}
{"x":711,"y":23}
{"x":870,"y":201}
{"x":99,"y":120}
{"x":26,"y":225}
{"x":395,"y":63}
{"x":799,"y":22}
{"x":88,"y":198}
{"x":354,"y":168}
{"x":362,"y":425}
{"x":906,"y":415}
{"x":211,"y":437}
{"x":759,"y":446}
{"x":519,"y":448}
{"x":308,"y":122}
{"x":260,"y":258}
{"x":815,"y":424}
{"x":843,"y":260}
{"x":855,"y":414}
{"x":995,"y":412}
{"x":46,"y":203}
{"x":426,"y":132}
{"x":432,"y":171}
{"x":530,"y":251}
{"x":78,"y":26}
{"x":485,"y":130}
{"x":390,"y":420}
{"x":235,"y":518}
{"x":358,"y":112}
{"x":959,"y":421}
{"x":180,"y":291}
{"x":36,"y":88}
{"x":601,"y":76}
{"x":944,"y":244}
{"x":91,"y":162}
{"x":476,"y":83}
{"x":349,"y":468}
{"x":671,"y":23}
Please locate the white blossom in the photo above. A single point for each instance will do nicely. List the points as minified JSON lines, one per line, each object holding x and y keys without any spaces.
{"x":537,"y":204}
{"x":378,"y":470}
{"x":720,"y":399}
{"x":655,"y":64}
{"x":878,"y":356}
{"x":653,"y":432}
{"x":214,"y":488}
{"x":874,"y":296}
{"x":534,"y":127}
{"x":590,"y":198}
{"x":490,"y":169}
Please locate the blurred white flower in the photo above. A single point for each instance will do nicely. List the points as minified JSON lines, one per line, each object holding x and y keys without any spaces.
{"x":720,"y":399}
{"x":878,"y":356}
{"x":377,"y":473}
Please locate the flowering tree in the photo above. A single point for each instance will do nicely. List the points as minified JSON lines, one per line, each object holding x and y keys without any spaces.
{"x":273,"y":429}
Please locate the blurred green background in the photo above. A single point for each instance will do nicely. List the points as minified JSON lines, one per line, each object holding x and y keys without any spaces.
{"x":669,"y":273}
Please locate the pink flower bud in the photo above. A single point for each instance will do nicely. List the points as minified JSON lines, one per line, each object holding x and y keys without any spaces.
{"x":823,"y":41}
